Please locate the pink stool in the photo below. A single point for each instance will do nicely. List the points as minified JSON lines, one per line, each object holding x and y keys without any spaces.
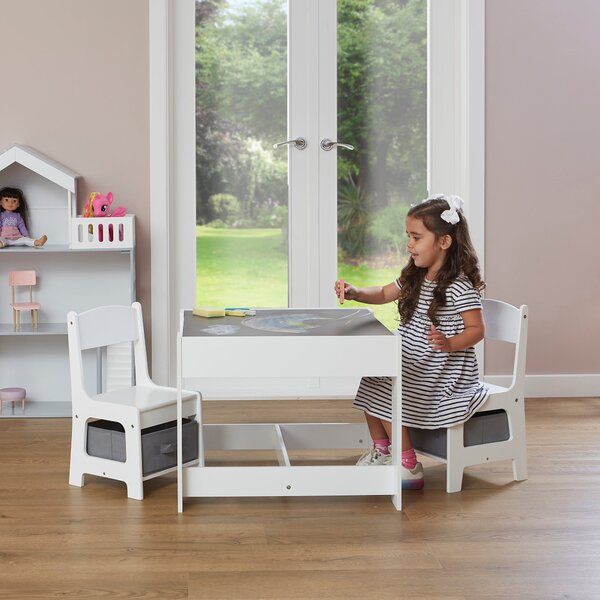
{"x":13,"y":395}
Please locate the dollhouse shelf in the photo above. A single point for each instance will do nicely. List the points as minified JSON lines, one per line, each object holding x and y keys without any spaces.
{"x":59,"y":248}
{"x":35,"y":409}
{"x":76,"y":270}
{"x":27,"y":329}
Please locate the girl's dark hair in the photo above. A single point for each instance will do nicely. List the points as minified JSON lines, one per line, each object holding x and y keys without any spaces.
{"x":11,"y":192}
{"x":461,"y":259}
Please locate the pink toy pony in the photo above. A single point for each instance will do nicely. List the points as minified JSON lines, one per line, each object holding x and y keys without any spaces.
{"x":99,"y":206}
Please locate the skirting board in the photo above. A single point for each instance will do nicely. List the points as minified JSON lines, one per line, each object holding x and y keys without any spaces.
{"x":554,"y":386}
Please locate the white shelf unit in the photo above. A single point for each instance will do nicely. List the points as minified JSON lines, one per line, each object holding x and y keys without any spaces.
{"x":37,"y":359}
{"x":68,"y":279}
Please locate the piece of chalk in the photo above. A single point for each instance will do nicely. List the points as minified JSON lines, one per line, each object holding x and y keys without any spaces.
{"x":208,"y":311}
{"x":342,"y":290}
{"x":234,"y":312}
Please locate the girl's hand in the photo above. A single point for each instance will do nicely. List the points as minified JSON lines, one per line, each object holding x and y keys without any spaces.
{"x":438,"y":341}
{"x":350,"y":292}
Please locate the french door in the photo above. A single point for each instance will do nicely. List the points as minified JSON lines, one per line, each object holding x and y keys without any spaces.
{"x":454,"y":139}
{"x":273,"y":99}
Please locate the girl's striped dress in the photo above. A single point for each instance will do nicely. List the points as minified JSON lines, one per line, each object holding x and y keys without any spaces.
{"x":439,"y":389}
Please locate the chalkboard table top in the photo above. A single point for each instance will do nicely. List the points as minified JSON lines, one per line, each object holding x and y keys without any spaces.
{"x":287,"y":322}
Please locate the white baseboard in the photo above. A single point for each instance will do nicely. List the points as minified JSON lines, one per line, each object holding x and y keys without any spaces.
{"x":554,"y":386}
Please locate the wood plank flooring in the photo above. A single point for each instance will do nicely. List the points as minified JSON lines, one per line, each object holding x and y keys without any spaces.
{"x":497,"y":539}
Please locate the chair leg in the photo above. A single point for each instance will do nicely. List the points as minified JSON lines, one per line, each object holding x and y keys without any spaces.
{"x":78,"y":452}
{"x":454,"y":478}
{"x":133,"y":450}
{"x":516,"y":419}
{"x":454,"y":463}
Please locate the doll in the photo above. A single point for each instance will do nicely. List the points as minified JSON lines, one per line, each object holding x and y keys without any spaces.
{"x":13,"y":220}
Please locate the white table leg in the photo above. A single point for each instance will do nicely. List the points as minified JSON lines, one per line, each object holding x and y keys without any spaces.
{"x":179,"y":429}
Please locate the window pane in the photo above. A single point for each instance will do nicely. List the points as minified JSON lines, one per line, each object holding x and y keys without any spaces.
{"x":241,"y":196}
{"x":382,"y":112}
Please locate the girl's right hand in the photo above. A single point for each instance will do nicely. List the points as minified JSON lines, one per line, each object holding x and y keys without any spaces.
{"x":350,"y":292}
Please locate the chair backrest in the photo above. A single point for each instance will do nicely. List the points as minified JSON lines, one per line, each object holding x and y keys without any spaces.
{"x":101,"y":327}
{"x":508,"y":323}
{"x":16,"y":278}
{"x":106,"y":325}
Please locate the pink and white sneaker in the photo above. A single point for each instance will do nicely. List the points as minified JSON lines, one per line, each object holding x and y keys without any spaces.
{"x":373,"y":457}
{"x":412,"y":479}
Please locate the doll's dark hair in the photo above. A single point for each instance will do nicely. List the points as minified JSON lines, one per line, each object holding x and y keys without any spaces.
{"x":460,"y":260}
{"x":12,"y":192}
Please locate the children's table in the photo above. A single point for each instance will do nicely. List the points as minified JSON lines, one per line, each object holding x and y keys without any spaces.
{"x":287,"y":343}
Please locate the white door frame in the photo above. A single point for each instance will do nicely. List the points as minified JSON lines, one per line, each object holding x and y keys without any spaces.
{"x":312,"y":171}
{"x":172,"y":175}
{"x":456,"y":147}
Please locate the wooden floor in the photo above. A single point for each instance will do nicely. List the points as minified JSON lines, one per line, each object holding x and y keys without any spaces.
{"x":496,"y":539}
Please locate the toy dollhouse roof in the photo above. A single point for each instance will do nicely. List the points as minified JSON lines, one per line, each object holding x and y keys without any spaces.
{"x":38,"y":163}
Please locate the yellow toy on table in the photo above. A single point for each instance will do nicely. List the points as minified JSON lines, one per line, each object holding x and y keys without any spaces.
{"x":211,"y":311}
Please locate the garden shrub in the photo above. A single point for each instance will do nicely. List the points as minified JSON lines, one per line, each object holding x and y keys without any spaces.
{"x":224,"y":207}
{"x":387,"y":229}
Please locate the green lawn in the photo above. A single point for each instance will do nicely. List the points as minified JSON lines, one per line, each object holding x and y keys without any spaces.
{"x":248,"y":267}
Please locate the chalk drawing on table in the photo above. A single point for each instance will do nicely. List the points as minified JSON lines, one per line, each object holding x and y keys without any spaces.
{"x":221,"y":329}
{"x":290,"y":323}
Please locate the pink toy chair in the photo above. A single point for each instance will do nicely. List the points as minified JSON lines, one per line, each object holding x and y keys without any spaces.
{"x":23,"y":278}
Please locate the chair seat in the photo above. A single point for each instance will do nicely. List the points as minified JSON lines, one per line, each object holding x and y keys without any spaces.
{"x":495,"y":389}
{"x":26,"y":306}
{"x":155,"y":405}
{"x":143,"y":398}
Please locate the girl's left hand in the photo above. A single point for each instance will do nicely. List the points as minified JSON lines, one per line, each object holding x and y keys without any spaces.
{"x":437,"y":340}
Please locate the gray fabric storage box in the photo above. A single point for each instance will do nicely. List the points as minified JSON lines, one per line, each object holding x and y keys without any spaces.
{"x":481,"y":428}
{"x":106,"y":439}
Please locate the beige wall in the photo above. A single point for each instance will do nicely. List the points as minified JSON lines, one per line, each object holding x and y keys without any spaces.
{"x":75,"y":87}
{"x":543,"y":176}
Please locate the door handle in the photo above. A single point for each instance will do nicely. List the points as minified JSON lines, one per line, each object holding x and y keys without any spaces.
{"x":327,"y":145}
{"x":299,"y":143}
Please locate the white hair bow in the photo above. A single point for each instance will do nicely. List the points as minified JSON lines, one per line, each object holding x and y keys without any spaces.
{"x":455,"y":202}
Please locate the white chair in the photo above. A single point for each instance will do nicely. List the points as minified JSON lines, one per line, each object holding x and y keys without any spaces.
{"x":135,"y":408}
{"x":509,"y":324}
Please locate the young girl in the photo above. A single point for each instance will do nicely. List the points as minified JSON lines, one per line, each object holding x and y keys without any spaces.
{"x":13,"y":220}
{"x":439,"y":303}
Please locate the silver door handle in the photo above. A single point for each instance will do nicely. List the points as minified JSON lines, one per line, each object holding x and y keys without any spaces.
{"x":299,"y":143}
{"x":327,"y":145}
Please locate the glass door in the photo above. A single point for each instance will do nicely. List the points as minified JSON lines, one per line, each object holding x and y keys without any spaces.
{"x":382,"y":114}
{"x":242,"y":206}
{"x":277,"y":225}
